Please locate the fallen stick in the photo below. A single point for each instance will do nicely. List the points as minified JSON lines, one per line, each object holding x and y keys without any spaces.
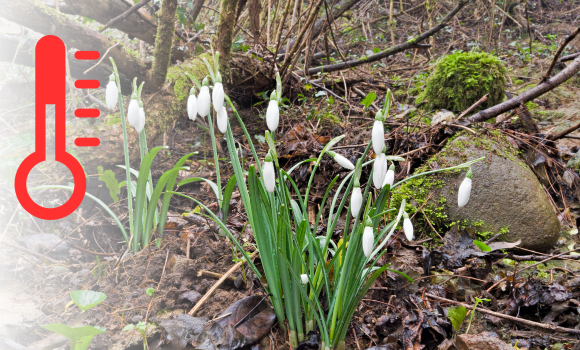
{"x":472,"y":107}
{"x":529,"y":95}
{"x":569,"y":57}
{"x":125,"y":14}
{"x":508,"y":317}
{"x":558,"y":53}
{"x":563,"y":133}
{"x":216,"y":285}
{"x":214,"y":275}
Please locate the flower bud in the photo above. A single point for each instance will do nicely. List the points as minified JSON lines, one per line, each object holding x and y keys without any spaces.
{"x":192,"y":105}
{"x":390,"y":177}
{"x":304,"y":278}
{"x":378,"y":134}
{"x":379,"y":170}
{"x":111,"y":93}
{"x":342,"y":161}
{"x":269,"y":174}
{"x":273,"y":113}
{"x":408,"y":227}
{"x":464,"y":190}
{"x":141,"y":118}
{"x":222,"y":120}
{"x":133,"y":111}
{"x":203,"y":100}
{"x":355,"y":200}
{"x":368,"y":239}
{"x":217,"y":95}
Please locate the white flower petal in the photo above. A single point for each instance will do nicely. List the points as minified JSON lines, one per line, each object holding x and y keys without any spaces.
{"x":389,"y":178}
{"x":269,"y":176}
{"x":379,"y":170}
{"x":133,"y":113}
{"x":217,"y":96}
{"x":343,"y":162}
{"x":222,"y":120}
{"x":356,"y":201}
{"x":111,"y":95}
{"x":368,"y":241}
{"x":408,"y":228}
{"x":192,"y":107}
{"x":203,"y":102}
{"x":140,"y":120}
{"x":272,"y":115}
{"x":464,"y":192}
{"x":378,"y":136}
{"x":304,"y":278}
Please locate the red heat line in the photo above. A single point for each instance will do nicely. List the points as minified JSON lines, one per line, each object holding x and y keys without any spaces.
{"x":87,"y":113}
{"x":87,"y":84}
{"x":87,"y":141}
{"x":87,"y":55}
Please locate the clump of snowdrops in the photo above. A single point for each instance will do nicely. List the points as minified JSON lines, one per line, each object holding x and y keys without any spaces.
{"x":296,"y":260}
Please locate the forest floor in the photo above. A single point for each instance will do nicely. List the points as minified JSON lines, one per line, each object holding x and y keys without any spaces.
{"x":543,"y":291}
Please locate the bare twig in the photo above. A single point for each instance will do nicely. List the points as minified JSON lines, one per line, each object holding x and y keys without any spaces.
{"x":568,"y":39}
{"x":102,"y":58}
{"x":216,"y":285}
{"x":124,"y":15}
{"x":563,"y":133}
{"x":158,"y":284}
{"x":472,"y":107}
{"x":546,"y":326}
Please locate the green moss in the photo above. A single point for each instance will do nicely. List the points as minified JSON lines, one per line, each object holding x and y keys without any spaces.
{"x":113,"y":119}
{"x":180,"y":82}
{"x":462,"y":78}
{"x":519,"y":82}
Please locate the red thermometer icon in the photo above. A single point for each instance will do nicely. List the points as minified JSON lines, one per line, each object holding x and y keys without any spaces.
{"x":50,"y":74}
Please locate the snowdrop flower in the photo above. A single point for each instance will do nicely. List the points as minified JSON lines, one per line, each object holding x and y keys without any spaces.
{"x":192,"y":104}
{"x":273,"y":113}
{"x":379,"y":170}
{"x":203,"y":99}
{"x":368,"y":239}
{"x":269,"y":174}
{"x":378,"y":135}
{"x":133,"y":112}
{"x":304,"y":278}
{"x":390,"y":177}
{"x":356,"y":199}
{"x":465,"y":190}
{"x":111,"y":93}
{"x":222,"y":120}
{"x":141,"y":118}
{"x":217,"y":95}
{"x":408,"y":227}
{"x":342,"y":161}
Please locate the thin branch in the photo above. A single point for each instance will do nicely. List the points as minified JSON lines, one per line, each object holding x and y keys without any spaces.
{"x":568,"y":39}
{"x":102,"y":58}
{"x":410,"y":44}
{"x":125,"y":14}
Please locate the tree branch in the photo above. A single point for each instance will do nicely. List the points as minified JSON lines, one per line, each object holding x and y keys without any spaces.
{"x":411,"y":44}
{"x":163,"y":42}
{"x":529,"y":95}
{"x":558,"y":53}
{"x":125,"y":14}
{"x":38,"y":17}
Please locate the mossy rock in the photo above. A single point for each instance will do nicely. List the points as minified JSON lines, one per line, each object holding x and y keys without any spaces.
{"x":462,"y":78}
{"x":506,"y":196}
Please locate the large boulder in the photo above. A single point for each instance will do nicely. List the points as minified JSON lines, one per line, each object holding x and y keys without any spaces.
{"x":506,"y":196}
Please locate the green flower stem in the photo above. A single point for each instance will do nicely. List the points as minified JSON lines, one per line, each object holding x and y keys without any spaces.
{"x":215,"y":158}
{"x":127,"y":162}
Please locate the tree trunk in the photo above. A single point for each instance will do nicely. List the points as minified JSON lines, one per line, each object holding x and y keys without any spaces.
{"x":254,"y":9}
{"x":224,"y":35}
{"x":163,"y":42}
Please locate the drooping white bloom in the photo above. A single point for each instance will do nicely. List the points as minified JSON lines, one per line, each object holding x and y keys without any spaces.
{"x":203,"y":100}
{"x":342,"y":161}
{"x":111,"y":93}
{"x":368,"y":240}
{"x":464,"y":190}
{"x":378,"y":134}
{"x":133,"y":111}
{"x":356,"y":200}
{"x":390,"y":177}
{"x":273,"y":113}
{"x":217,"y":95}
{"x":141,"y":119}
{"x":222,"y":119}
{"x":379,"y":170}
{"x":269,"y":174}
{"x":192,"y":105}
{"x":408,"y":227}
{"x":304,"y":278}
